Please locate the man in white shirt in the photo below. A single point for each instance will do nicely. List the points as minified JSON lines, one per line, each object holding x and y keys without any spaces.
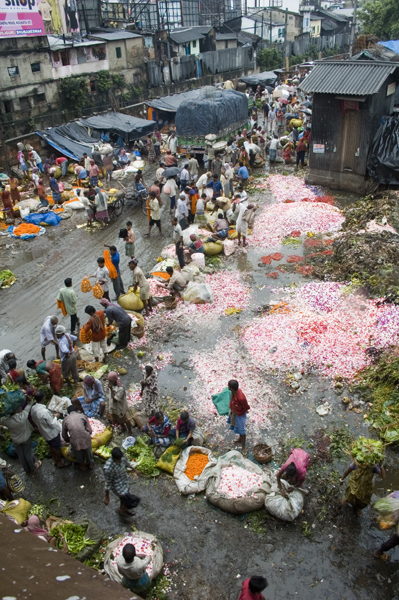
{"x":178,"y":240}
{"x":203,"y":181}
{"x":102,"y":276}
{"x":193,"y":168}
{"x":173,"y":143}
{"x":273,"y":149}
{"x":184,"y":177}
{"x":182,"y":210}
{"x":49,"y":428}
{"x":20,"y":430}
{"x":133,"y":569}
{"x":38,"y":161}
{"x":170,"y":189}
{"x":155,"y":213}
{"x":86,"y":162}
{"x":158,"y":175}
{"x":176,"y":282}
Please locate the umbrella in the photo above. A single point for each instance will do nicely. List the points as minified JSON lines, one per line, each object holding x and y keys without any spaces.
{"x":277,"y":94}
{"x":269,"y":88}
{"x":307,"y":111}
{"x":211,"y":137}
{"x":171,"y":172}
{"x":307,"y":104}
{"x":283,"y":101}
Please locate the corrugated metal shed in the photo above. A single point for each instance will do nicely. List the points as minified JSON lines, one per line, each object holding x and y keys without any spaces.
{"x":355,"y":78}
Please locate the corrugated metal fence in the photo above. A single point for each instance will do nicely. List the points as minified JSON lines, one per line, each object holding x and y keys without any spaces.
{"x":187,"y":67}
{"x":304,"y":43}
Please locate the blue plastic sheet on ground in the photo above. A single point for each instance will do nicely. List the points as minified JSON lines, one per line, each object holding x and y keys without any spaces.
{"x":27,"y":236}
{"x":222,"y":401}
{"x":50,"y":218}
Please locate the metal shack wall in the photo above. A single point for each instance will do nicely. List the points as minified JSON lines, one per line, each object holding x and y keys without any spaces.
{"x":330,"y":133}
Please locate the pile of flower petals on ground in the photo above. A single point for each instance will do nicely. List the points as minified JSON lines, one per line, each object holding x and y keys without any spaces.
{"x":235,"y":482}
{"x":324,"y":327}
{"x":142,"y":546}
{"x":215,"y":369}
{"x":96,"y":427}
{"x":290,"y":188}
{"x":228,"y":291}
{"x":277,"y":221}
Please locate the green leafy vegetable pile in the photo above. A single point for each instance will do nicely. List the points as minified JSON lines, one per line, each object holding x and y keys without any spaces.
{"x":367,"y":451}
{"x":37,"y":509}
{"x":7,"y":278}
{"x":104,"y":452}
{"x":291,"y":241}
{"x":144,"y":457}
{"x":42,"y":450}
{"x":73,"y":536}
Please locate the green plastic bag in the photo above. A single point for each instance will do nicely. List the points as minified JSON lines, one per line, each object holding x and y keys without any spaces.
{"x":222,"y":401}
{"x":10,"y":402}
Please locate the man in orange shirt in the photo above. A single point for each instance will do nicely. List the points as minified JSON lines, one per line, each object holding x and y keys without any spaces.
{"x":96,"y":324}
{"x":42,"y":194}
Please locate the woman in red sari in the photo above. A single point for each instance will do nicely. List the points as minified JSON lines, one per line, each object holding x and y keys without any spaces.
{"x":48,"y":371}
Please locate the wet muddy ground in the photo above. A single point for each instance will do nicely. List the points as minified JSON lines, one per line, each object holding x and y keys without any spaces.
{"x":327,"y":553}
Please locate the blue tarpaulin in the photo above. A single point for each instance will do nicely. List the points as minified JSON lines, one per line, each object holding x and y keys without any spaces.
{"x":50,"y":218}
{"x":391,"y":44}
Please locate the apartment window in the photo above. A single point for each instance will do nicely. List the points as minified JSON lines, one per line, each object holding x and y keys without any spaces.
{"x":65,"y":58}
{"x":35,"y":67}
{"x":318,"y":29}
{"x":56,"y":57}
{"x":194,"y":43}
{"x":313,"y":30}
{"x":118,"y":52}
{"x":39,"y":98}
{"x":24,"y":103}
{"x":226,"y":43}
{"x":13,"y":71}
{"x":7,"y":106}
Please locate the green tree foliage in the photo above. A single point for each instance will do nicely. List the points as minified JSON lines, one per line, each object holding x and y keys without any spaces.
{"x":107,"y":81}
{"x":75,"y":93}
{"x":380,"y":18}
{"x":269,"y":59}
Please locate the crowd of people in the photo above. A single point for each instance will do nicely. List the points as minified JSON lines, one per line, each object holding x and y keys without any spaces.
{"x":188,"y":195}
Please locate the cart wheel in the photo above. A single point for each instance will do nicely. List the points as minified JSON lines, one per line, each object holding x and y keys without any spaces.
{"x":118,"y":208}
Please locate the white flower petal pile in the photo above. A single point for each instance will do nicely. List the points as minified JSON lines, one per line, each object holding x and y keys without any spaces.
{"x":325,"y":328}
{"x":290,"y":188}
{"x":215,"y":369}
{"x":142,"y":546}
{"x":97,"y":427}
{"x":235,"y":482}
{"x":278,"y":221}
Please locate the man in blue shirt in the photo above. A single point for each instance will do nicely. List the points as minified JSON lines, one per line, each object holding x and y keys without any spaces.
{"x":117,"y":282}
{"x":242,"y":174}
{"x":216,"y":186}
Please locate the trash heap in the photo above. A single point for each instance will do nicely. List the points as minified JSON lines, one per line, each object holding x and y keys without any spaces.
{"x":367,"y":253}
{"x":378,"y":383}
